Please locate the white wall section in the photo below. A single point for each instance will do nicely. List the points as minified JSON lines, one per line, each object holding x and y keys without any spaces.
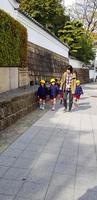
{"x":75,"y":63}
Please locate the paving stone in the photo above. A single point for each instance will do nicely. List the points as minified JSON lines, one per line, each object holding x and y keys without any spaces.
{"x":10,"y":187}
{"x":30,"y":154}
{"x":25,"y":140}
{"x":12,"y":152}
{"x":86,"y":171}
{"x":86,"y":181}
{"x":18,"y":145}
{"x":89,"y":161}
{"x":31,"y":198}
{"x":87,"y":139}
{"x":23,"y":163}
{"x":65,"y":169}
{"x":7,"y":161}
{"x":6,"y":197}
{"x":44,"y":166}
{"x":48,"y":157}
{"x":35,"y":148}
{"x":67,"y":160}
{"x":85,"y":194}
{"x":3,"y":170}
{"x":49,"y":149}
{"x":65,"y":180}
{"x":33,"y":190}
{"x":57,"y":192}
{"x":89,"y":195}
{"x":16,"y":174}
{"x":38,"y":175}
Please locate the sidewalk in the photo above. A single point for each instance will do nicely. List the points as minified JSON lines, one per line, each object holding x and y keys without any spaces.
{"x":56,"y":158}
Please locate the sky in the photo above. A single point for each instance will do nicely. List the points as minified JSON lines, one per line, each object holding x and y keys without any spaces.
{"x":68,"y":2}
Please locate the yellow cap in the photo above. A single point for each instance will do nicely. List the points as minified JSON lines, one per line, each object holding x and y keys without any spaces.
{"x":77,"y":81}
{"x":52,"y":80}
{"x":42,"y":81}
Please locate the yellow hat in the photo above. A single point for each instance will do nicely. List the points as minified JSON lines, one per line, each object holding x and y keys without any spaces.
{"x":52,"y":80}
{"x":77,"y":81}
{"x":42,"y":81}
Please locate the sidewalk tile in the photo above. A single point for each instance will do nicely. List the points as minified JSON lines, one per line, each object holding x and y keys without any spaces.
{"x":10,"y":187}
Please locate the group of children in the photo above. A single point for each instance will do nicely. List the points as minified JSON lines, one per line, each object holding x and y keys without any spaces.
{"x":43,"y":92}
{"x":53,"y":91}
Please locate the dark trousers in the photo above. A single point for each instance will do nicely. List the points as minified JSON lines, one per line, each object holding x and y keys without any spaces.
{"x":70,"y":99}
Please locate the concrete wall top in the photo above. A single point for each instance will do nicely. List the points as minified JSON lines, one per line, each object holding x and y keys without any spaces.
{"x":36,"y":34}
{"x":9,"y":7}
{"x":75,"y":63}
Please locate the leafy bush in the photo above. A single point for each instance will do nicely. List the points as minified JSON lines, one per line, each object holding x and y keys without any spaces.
{"x":13,"y":42}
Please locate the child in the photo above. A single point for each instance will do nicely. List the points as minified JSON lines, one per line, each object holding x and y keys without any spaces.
{"x":78,"y":93}
{"x":42,"y":94}
{"x":53,"y":93}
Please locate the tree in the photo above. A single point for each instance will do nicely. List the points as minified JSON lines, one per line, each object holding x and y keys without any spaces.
{"x":70,"y":34}
{"x":50,"y":13}
{"x":79,"y":41}
{"x":86,"y":12}
{"x":86,"y":52}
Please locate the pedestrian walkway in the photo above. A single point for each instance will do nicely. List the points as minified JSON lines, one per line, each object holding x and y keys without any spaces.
{"x":56,"y":158}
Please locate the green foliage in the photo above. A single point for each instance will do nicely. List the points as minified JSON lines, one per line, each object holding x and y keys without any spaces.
{"x":70,"y":34}
{"x":13,"y":42}
{"x":79,"y":41}
{"x":86,"y":52}
{"x":50,"y":13}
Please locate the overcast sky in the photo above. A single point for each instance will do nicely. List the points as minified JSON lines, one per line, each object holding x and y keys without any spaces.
{"x":68,"y":2}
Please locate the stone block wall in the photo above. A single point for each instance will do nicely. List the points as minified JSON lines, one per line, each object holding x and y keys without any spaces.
{"x":83,"y":75}
{"x":16,"y":106}
{"x":45,"y":64}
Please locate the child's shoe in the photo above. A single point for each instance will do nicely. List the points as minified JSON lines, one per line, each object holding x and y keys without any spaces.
{"x":65,"y":110}
{"x":61,"y":101}
{"x":53,"y":108}
{"x":75,"y":105}
{"x":40,"y":107}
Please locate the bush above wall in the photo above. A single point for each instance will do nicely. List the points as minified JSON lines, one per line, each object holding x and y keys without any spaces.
{"x":13,"y":42}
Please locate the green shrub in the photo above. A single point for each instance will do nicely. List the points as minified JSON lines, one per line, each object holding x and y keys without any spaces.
{"x":13,"y":42}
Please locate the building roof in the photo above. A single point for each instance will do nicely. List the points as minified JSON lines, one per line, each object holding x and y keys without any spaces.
{"x":18,"y":1}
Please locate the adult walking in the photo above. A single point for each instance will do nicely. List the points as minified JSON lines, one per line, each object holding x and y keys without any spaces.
{"x":68,"y":84}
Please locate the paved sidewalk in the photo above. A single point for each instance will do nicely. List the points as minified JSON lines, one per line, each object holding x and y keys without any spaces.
{"x":56,"y":158}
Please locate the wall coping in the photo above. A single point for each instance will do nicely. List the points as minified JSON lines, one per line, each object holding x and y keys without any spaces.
{"x":15,"y":93}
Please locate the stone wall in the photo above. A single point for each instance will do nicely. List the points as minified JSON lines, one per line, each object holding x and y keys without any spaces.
{"x":15,"y":105}
{"x":83,"y":75}
{"x":43,"y":63}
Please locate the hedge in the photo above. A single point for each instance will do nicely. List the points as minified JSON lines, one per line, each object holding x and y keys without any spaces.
{"x":13,"y":42}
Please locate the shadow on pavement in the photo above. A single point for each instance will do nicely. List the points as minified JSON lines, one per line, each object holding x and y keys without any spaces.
{"x":83,"y":98}
{"x":90,"y":88}
{"x":85,"y":107}
{"x":87,"y":103}
{"x":91,"y":194}
{"x":82,"y":107}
